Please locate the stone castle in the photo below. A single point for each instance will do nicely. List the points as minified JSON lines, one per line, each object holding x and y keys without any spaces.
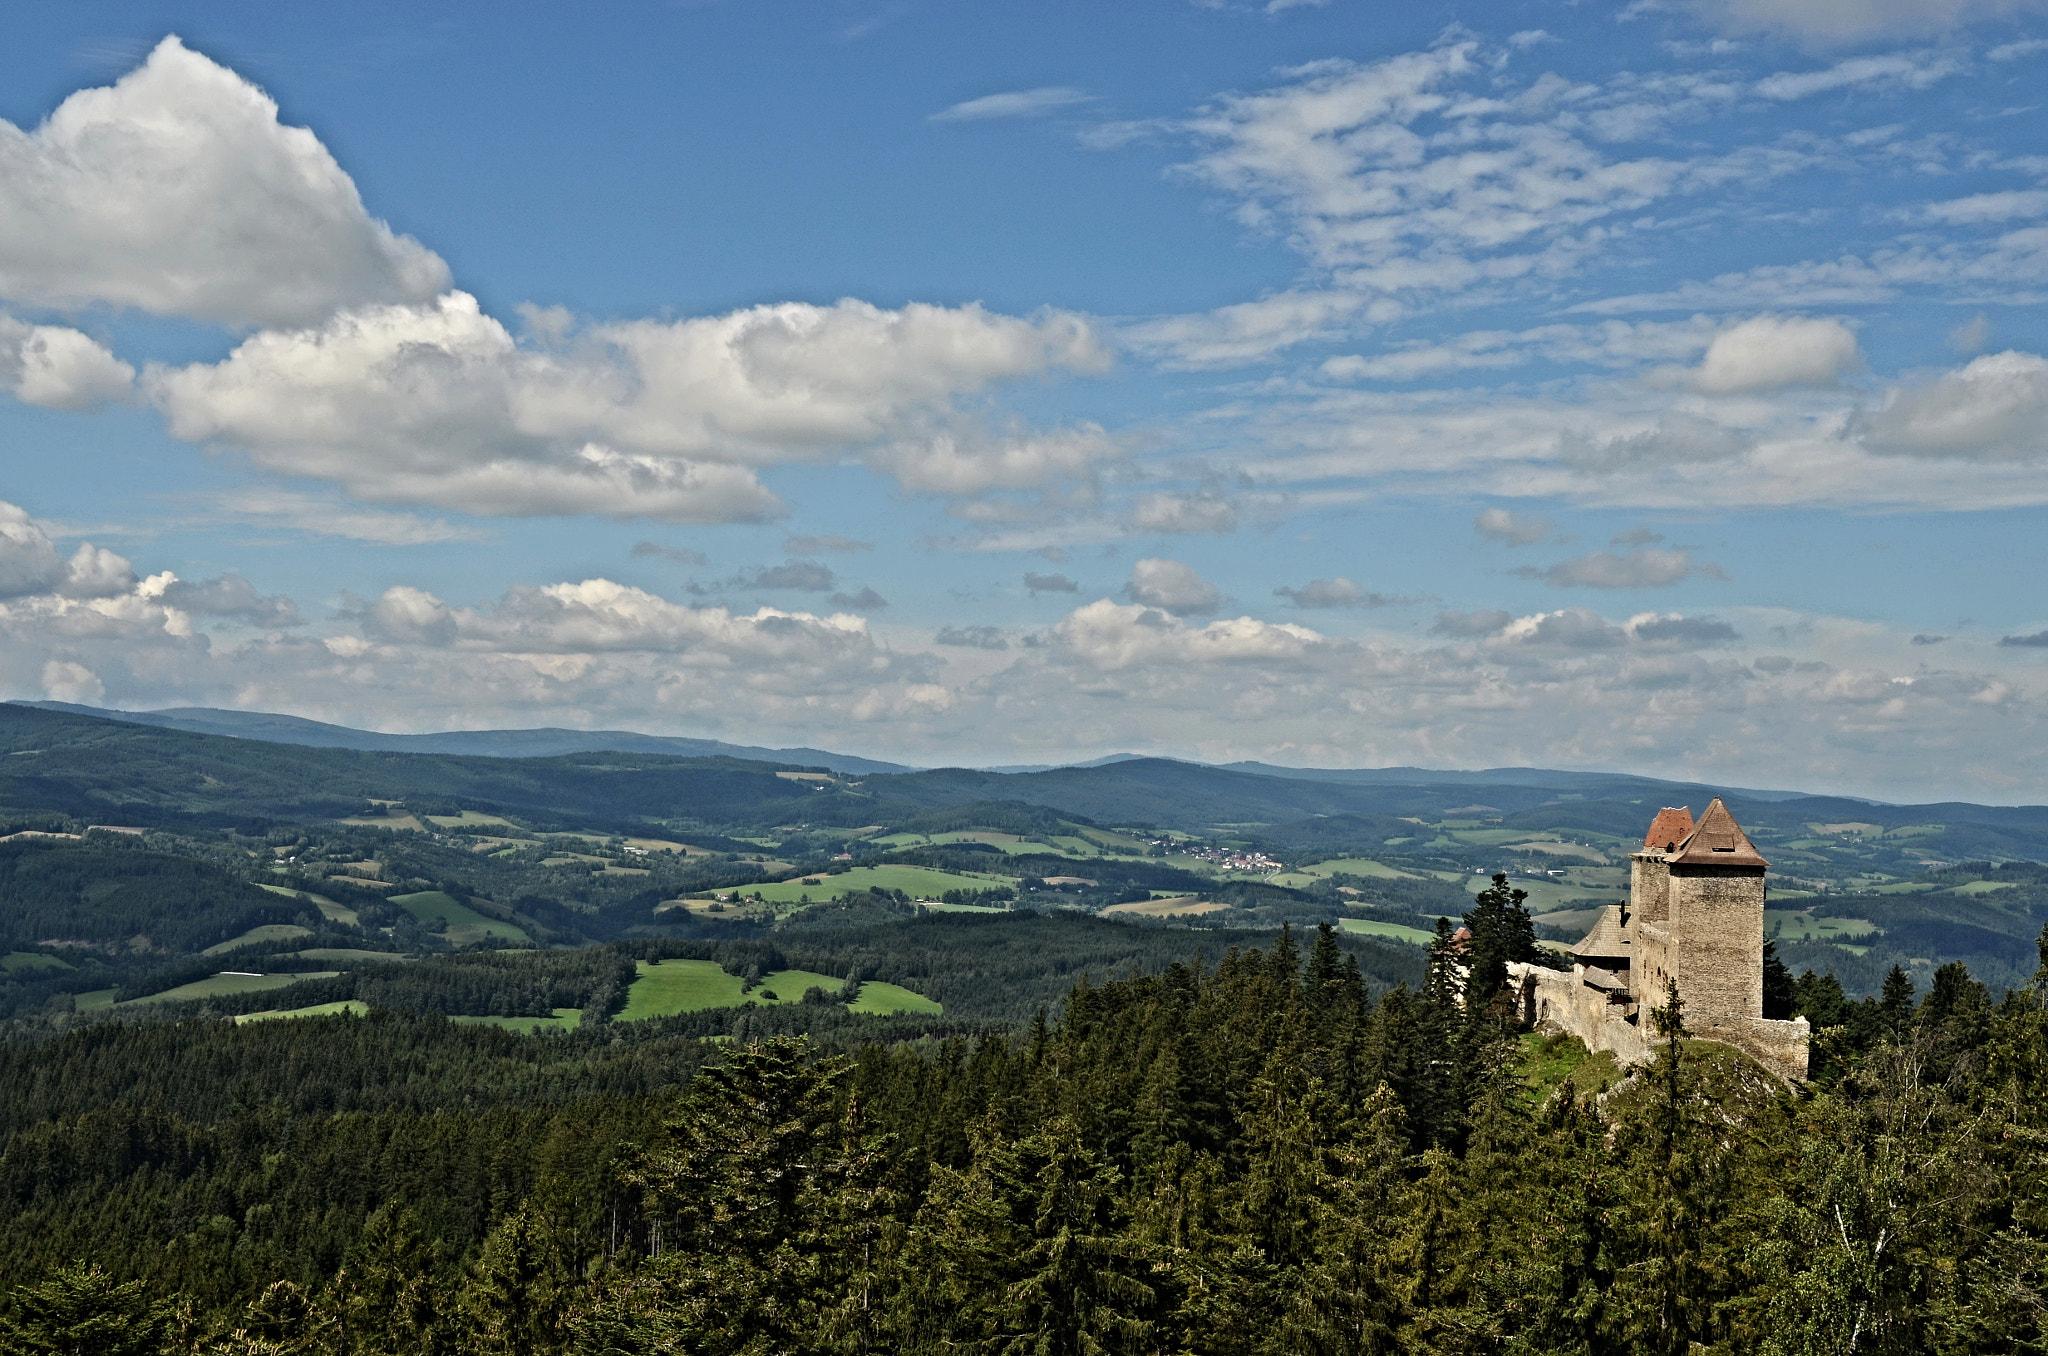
{"x":1695,"y":915}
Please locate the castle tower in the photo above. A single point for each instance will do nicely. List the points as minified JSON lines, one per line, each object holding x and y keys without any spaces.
{"x":1699,"y":906}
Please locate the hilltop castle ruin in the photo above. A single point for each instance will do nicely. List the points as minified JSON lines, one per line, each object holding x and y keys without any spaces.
{"x":1695,"y":915}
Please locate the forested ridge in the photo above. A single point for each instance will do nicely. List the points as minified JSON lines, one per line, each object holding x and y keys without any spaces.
{"x":1256,"y":1155}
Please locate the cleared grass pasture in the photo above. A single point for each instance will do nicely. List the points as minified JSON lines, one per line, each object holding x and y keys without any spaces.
{"x":21,"y":962}
{"x":916,"y":881}
{"x":667,"y":845}
{"x":350,"y":1006}
{"x":1179,"y":906}
{"x":1367,"y":927}
{"x":410,"y":822}
{"x":348,"y":955}
{"x":266,"y":932}
{"x":1574,"y":920}
{"x":666,"y":988}
{"x":465,"y":925}
{"x":1793,"y":926}
{"x":471,"y":819}
{"x":887,"y":1000}
{"x":216,"y":986}
{"x":331,"y":911}
{"x":1357,"y":866}
{"x":565,"y":1019}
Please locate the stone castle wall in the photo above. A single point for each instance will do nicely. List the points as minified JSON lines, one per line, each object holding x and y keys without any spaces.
{"x":1558,"y":1000}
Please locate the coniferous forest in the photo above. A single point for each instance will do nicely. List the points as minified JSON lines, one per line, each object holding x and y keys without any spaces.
{"x":1259,"y":1154}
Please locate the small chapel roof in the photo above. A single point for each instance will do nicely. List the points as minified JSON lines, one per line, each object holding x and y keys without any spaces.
{"x":1717,"y":840}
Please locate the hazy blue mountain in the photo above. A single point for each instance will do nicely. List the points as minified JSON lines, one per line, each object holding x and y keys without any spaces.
{"x":542,"y":743}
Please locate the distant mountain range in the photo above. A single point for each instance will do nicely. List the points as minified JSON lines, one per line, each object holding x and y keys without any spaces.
{"x":254,"y":769}
{"x":550,"y":742}
{"x":544,"y":743}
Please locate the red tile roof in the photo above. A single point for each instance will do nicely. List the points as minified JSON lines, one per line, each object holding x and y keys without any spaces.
{"x":1672,"y":826}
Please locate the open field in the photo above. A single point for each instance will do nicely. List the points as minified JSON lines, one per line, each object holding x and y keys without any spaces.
{"x":1179,"y":906}
{"x":266,"y":932}
{"x":1367,"y":927}
{"x":1804,"y":927}
{"x":465,"y":925}
{"x":1571,"y":920}
{"x":565,"y":1019}
{"x":666,"y":988}
{"x":331,"y":911}
{"x":471,"y":819}
{"x":20,"y":962}
{"x":1009,"y":844}
{"x":886,"y":1000}
{"x":347,"y":1005}
{"x":388,"y":822}
{"x":1357,"y":866}
{"x":346,"y":955}
{"x":919,"y":882}
{"x":214,"y":986}
{"x":667,"y":845}
{"x":963,"y":908}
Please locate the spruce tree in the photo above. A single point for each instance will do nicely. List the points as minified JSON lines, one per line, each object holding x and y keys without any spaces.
{"x":1502,"y":934}
{"x":78,"y":1310}
{"x":1781,"y":993}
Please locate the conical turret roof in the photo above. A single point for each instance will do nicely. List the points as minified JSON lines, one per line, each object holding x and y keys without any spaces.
{"x":1717,"y":840}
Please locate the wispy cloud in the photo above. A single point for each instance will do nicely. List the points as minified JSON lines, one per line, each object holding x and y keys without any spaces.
{"x":305,"y":513}
{"x":1019,"y":103}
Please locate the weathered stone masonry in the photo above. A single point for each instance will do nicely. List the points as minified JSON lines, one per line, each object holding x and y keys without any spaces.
{"x":1695,"y":914}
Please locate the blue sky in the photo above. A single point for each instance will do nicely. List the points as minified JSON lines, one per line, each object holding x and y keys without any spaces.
{"x":1654,"y":387}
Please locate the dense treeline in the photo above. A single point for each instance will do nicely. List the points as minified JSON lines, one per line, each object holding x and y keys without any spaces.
{"x":1258,"y":1156}
{"x":102,"y":890}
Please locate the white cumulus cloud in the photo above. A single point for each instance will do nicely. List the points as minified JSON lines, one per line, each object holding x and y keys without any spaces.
{"x":1768,"y":353}
{"x":1993,"y":409}
{"x":59,"y":368}
{"x":1173,"y":585}
{"x":177,"y":191}
{"x":439,"y":404}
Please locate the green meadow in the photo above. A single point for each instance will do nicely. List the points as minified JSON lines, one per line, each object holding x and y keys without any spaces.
{"x":465,"y":925}
{"x":666,"y":988}
{"x":266,"y":932}
{"x":331,"y":911}
{"x":348,"y":955}
{"x":17,"y":962}
{"x":918,"y":882}
{"x":1792,"y":926}
{"x":565,"y":1019}
{"x":886,"y":1000}
{"x":215,"y":986}
{"x":347,"y":1005}
{"x":1369,"y":928}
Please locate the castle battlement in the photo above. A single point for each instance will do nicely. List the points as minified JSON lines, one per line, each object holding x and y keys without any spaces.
{"x":1694,"y":916}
